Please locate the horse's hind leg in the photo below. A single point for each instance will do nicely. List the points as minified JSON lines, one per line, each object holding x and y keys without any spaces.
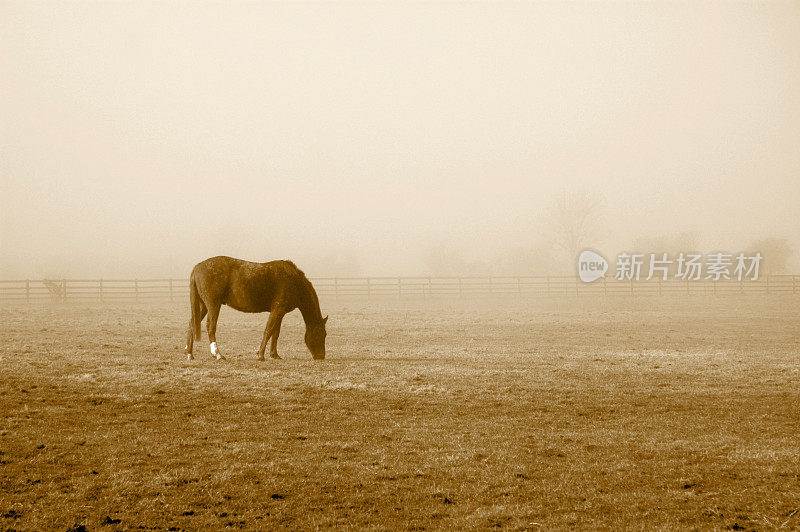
{"x":190,"y":340}
{"x":211,"y":325}
{"x":190,"y":333}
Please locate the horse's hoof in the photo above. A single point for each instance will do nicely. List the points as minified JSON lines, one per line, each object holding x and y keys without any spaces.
{"x":220,"y":357}
{"x":261,"y":358}
{"x":189,"y":356}
{"x":275,"y":356}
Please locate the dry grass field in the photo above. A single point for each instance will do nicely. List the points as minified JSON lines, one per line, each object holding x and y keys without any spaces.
{"x":655,"y":414}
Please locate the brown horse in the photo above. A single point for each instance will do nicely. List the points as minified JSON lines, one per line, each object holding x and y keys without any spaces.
{"x":277,"y":287}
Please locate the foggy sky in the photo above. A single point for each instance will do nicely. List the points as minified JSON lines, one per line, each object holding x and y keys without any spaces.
{"x":140,"y":138}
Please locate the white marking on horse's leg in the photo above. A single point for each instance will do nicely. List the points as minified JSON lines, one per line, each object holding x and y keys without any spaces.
{"x":215,"y":351}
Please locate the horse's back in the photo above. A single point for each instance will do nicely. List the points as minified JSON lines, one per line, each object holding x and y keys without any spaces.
{"x":240,"y":284}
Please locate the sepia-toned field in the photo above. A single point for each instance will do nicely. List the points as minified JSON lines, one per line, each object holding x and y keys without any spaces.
{"x":676,"y":414}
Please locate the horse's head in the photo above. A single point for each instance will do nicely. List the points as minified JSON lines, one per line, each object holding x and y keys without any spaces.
{"x":315,"y":339}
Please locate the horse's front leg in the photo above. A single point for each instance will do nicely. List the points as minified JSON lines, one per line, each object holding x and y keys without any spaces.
{"x":272,"y":330}
{"x":273,"y":347}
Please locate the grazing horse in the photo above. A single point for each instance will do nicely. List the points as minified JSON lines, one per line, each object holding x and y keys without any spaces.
{"x":277,"y":287}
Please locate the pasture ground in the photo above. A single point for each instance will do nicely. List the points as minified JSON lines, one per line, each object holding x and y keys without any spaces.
{"x":670,"y":414}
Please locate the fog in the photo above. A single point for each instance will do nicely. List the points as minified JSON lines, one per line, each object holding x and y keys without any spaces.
{"x":391,"y":139}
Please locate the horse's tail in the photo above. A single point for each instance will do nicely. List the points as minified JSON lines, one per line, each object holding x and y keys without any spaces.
{"x":196,"y":303}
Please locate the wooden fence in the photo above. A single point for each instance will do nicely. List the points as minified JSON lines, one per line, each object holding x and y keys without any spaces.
{"x":100,"y":290}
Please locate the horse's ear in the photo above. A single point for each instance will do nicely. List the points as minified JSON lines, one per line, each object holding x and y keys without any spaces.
{"x":325,"y":320}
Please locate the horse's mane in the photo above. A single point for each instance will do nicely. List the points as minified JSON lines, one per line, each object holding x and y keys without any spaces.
{"x":310,"y":292}
{"x":294,"y":266}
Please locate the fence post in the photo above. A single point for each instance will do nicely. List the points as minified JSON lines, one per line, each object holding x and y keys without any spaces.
{"x":460,"y":288}
{"x":399,"y":288}
{"x":100,"y":290}
{"x":369,"y":288}
{"x":519,"y":286}
{"x":548,"y":284}
{"x":767,"y":279}
{"x":429,"y":287}
{"x":28,"y":291}
{"x":336,"y":288}
{"x":171,"y":299}
{"x":605,"y":286}
{"x":794,"y":284}
{"x":64,"y":291}
{"x":136,"y":288}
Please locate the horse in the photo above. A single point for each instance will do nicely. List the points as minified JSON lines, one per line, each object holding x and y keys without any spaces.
{"x":277,"y":287}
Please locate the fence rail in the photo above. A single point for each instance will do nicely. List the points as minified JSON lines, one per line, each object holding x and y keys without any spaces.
{"x":100,"y":290}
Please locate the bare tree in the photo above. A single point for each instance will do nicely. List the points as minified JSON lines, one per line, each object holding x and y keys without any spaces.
{"x":574,"y":219}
